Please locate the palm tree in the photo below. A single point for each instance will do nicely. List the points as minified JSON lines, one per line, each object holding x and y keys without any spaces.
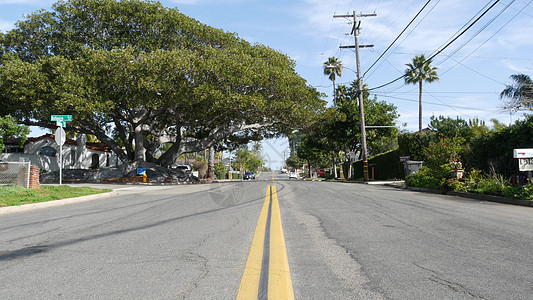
{"x":333,"y":68}
{"x":418,"y":71}
{"x":520,"y":92}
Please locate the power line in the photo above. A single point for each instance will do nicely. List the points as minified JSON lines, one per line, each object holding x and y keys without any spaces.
{"x":465,"y":30}
{"x":446,"y":46}
{"x":479,"y":31}
{"x":471,"y":69}
{"x":497,"y":31}
{"x":433,"y":103}
{"x":480,"y":57}
{"x":412,"y":29}
{"x":457,"y":92}
{"x":455,"y":35}
{"x":405,"y":28}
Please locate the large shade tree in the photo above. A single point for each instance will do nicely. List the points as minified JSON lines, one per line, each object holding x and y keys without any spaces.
{"x":418,"y":71}
{"x":150,"y":77}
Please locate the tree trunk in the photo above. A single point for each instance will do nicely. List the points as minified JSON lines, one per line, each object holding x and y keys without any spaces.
{"x":139,"y":144}
{"x":420,"y":106}
{"x":211,"y":163}
{"x":350,"y":167}
{"x":334,"y":170}
{"x":334,"y":102}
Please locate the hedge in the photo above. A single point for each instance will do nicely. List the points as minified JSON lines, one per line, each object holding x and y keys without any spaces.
{"x":387,"y":166}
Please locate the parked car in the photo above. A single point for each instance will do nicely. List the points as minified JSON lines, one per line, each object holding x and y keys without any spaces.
{"x":323,"y":172}
{"x":248,"y":176}
{"x":184,"y":167}
{"x":293,"y":175}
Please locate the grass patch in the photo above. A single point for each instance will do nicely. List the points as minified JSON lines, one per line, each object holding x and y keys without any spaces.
{"x":15,"y":195}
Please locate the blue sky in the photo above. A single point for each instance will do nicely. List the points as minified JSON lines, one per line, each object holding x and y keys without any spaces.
{"x":473,"y":70}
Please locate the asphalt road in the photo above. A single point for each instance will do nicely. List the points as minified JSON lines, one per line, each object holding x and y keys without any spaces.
{"x":343,"y":241}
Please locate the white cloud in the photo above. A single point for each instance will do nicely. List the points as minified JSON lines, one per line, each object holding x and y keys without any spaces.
{"x":5,"y":25}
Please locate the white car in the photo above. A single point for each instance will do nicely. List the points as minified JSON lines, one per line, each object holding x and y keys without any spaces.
{"x":293,"y":175}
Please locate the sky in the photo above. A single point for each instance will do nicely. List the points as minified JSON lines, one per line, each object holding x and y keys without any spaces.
{"x":473,"y":69}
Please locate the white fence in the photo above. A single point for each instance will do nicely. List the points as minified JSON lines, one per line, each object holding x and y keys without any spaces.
{"x":15,"y":173}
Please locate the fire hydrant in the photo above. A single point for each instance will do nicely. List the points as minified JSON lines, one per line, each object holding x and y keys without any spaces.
{"x":144,"y":177}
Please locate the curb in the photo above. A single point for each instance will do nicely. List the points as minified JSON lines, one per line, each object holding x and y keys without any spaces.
{"x":34,"y":206}
{"x":481,"y":197}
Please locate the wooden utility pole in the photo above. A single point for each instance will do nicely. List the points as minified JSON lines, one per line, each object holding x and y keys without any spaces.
{"x":355,"y":32}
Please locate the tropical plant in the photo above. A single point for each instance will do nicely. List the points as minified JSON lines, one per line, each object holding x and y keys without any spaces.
{"x":418,"y":71}
{"x":520,"y":93}
{"x":333,"y":68}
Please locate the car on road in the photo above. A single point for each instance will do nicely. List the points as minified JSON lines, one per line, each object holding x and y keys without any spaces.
{"x":293,"y":175}
{"x":323,"y":172}
{"x":248,"y":176}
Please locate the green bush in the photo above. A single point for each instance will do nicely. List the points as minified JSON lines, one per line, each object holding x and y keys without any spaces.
{"x":424,"y":178}
{"x":477,"y":182}
{"x":519,"y":192}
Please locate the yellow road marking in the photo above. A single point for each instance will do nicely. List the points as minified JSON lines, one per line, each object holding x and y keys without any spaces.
{"x":249,"y":287}
{"x":279,"y":275}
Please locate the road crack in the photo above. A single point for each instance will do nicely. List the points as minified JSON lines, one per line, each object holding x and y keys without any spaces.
{"x":454,"y":286}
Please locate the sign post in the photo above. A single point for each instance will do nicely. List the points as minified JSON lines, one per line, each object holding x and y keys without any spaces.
{"x":60,"y":138}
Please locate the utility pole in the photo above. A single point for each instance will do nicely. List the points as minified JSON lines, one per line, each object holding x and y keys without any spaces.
{"x":355,"y":32}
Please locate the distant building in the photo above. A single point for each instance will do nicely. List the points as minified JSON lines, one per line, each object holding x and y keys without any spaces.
{"x":43,"y":152}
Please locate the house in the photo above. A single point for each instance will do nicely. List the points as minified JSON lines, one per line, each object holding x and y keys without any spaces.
{"x":43,"y":152}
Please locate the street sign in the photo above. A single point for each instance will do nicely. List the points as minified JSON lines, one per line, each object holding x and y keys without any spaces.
{"x":61,"y":123}
{"x":60,"y":136}
{"x":523,"y":153}
{"x":63,"y":118}
{"x":525,"y":164}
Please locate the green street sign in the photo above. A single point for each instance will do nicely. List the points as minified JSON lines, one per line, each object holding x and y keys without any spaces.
{"x":63,"y":118}
{"x":61,"y":123}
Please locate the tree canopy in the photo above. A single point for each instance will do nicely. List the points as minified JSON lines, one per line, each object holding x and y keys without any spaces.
{"x":138,"y":75}
{"x":9,"y":128}
{"x":338,"y":128}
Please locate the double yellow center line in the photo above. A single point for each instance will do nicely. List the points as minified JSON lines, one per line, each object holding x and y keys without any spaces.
{"x":267,"y":274}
